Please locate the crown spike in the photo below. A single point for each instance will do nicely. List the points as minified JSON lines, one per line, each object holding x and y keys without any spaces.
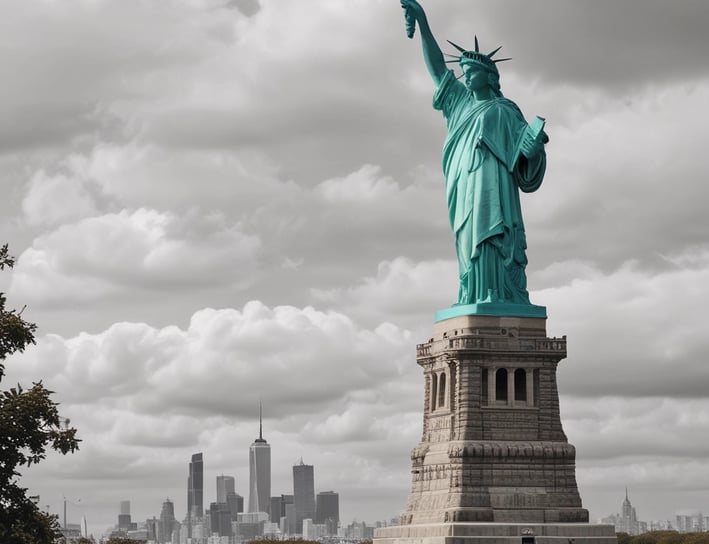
{"x":502,"y":60}
{"x":459,"y":48}
{"x":451,"y":61}
{"x":493,"y":52}
{"x":477,"y":47}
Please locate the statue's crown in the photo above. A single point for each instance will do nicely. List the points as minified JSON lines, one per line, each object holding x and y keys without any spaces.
{"x":476,"y":57}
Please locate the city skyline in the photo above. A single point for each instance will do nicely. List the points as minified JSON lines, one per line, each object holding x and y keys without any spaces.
{"x":215,"y":202}
{"x":324,"y":512}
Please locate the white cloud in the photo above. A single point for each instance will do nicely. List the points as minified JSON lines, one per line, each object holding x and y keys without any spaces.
{"x":634,"y":332}
{"x":137,"y":174}
{"x":56,"y":199}
{"x":326,"y":356}
{"x":365,"y":185}
{"x":403,"y":291}
{"x":99,"y":256}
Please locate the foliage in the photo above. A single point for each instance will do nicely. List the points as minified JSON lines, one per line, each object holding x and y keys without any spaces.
{"x":29,"y":424}
{"x":15,"y":332}
{"x":664,"y":537}
{"x":669,"y":537}
{"x":645,"y":538}
{"x":278,"y":541}
{"x":696,"y":538}
{"x":623,"y":538}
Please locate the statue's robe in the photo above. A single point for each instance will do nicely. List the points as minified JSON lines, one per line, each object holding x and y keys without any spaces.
{"x":484,"y":172}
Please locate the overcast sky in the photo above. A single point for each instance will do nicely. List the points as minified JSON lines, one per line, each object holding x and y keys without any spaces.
{"x":213,"y":202}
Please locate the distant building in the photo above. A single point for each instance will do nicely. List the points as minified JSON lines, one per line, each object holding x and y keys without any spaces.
{"x":124,"y":520}
{"x":691,"y":522}
{"x":151,"y":528}
{"x":225,"y":484}
{"x":288,"y":525}
{"x":276,"y":509}
{"x":260,"y":472}
{"x":327,"y":511}
{"x":660,"y":525}
{"x":195,"y":487}
{"x":303,"y":494}
{"x":71,"y":532}
{"x":250,"y":525}
{"x":235,"y":502}
{"x":167,"y":522}
{"x":312,"y":531}
{"x":220,"y":519}
{"x":627,"y":520}
{"x":357,"y":531}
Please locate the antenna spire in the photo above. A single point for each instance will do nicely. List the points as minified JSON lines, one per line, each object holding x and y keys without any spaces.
{"x":260,"y":420}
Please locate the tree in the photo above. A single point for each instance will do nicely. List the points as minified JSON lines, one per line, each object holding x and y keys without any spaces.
{"x":623,"y":538}
{"x":669,"y":537}
{"x":645,"y":538}
{"x":696,"y":538}
{"x":29,"y":424}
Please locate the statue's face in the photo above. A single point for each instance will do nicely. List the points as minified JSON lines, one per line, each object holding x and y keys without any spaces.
{"x":475,"y":77}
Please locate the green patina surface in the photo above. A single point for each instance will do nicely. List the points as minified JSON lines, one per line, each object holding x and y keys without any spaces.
{"x":491,"y":308}
{"x":491,"y":154}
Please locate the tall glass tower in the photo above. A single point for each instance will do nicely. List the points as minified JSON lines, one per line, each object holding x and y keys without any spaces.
{"x":195,"y":487}
{"x":304,"y":494}
{"x":225,"y":485}
{"x":260,"y":471}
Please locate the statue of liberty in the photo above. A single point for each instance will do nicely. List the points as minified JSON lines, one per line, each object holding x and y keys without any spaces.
{"x":490,"y":154}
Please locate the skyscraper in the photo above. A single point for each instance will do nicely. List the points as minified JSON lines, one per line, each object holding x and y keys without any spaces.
{"x":629,"y":519}
{"x":225,"y":484}
{"x":303,"y":494}
{"x":327,"y":510}
{"x":195,"y":487}
{"x":167,"y":522}
{"x":260,"y":472}
{"x":235,"y":502}
{"x":124,"y":521}
{"x":278,"y":507}
{"x":220,"y":519}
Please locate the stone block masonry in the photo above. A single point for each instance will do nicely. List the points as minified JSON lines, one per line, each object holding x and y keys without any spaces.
{"x":493,"y":464}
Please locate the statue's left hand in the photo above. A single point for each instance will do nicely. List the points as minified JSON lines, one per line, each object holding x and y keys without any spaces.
{"x":531,"y":147}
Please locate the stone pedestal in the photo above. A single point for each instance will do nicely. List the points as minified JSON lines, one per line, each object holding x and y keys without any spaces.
{"x":493,"y":464}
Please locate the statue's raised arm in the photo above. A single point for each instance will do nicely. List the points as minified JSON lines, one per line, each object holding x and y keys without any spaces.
{"x":413,"y":14}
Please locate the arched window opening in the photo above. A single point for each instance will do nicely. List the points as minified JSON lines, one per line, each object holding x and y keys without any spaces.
{"x":442,"y":389}
{"x":434,"y":389}
{"x":521,"y":385}
{"x":501,"y":384}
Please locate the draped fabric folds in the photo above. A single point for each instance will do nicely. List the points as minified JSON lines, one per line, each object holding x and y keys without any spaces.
{"x":484,"y":174}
